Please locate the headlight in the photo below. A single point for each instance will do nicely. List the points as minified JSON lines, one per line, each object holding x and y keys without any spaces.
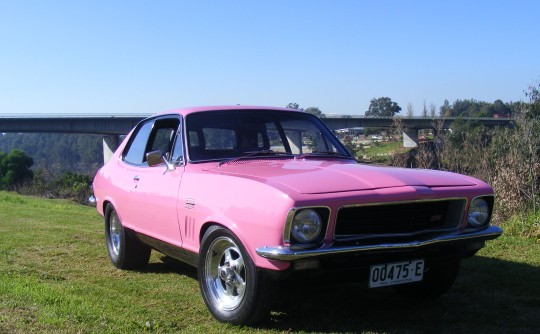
{"x":306,"y":226}
{"x":478,"y":212}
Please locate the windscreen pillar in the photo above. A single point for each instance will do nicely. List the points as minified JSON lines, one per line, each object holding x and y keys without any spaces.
{"x":410,"y":138}
{"x":110,"y":144}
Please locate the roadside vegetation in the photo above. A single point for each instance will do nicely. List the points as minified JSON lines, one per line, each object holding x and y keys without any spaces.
{"x":506,"y":158}
{"x":17,"y":174}
{"x":55,"y":277}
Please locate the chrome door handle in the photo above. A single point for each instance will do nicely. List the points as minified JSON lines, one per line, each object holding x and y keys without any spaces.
{"x":136,"y":178}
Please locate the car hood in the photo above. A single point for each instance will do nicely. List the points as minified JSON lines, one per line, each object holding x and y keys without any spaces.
{"x":317,"y":177}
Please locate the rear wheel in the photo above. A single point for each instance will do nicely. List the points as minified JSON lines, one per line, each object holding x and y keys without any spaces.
{"x":233,"y":288}
{"x":125,"y":251}
{"x":437,"y":280}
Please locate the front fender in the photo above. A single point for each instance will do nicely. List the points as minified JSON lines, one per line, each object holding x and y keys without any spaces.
{"x":253,"y":211}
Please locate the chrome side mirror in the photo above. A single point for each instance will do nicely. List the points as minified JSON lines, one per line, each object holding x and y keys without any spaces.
{"x":156,"y":158}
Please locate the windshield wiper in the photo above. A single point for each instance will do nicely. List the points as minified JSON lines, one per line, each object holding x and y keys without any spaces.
{"x":253,"y":154}
{"x":324,"y":154}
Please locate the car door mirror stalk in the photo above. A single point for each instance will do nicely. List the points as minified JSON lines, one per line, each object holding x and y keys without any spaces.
{"x":171,"y":166}
{"x":156,"y":158}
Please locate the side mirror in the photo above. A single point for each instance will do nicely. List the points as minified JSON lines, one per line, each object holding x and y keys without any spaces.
{"x":156,"y":158}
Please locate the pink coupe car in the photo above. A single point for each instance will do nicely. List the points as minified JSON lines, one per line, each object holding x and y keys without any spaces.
{"x":253,"y":195}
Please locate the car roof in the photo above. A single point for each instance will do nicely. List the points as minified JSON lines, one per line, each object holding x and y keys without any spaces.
{"x":187,"y":111}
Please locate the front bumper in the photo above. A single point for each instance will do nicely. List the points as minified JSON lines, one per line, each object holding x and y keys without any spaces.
{"x":290,"y":253}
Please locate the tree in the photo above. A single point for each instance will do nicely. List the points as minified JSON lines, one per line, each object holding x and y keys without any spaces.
{"x":293,"y":105}
{"x":462,"y":131}
{"x":15,"y":168}
{"x":533,"y":93}
{"x":424,"y":110}
{"x":382,"y":107}
{"x":432,"y":110}
{"x":446,"y":110}
{"x":467,"y":108}
{"x":315,"y":111}
{"x":312,"y":110}
{"x":410,"y":110}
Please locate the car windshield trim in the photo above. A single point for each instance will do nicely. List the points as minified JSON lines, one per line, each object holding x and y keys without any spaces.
{"x":255,"y":155}
{"x":326,"y":154}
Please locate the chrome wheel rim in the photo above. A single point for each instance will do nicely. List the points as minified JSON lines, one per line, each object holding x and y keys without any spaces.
{"x":114,"y":233}
{"x":225,"y":274}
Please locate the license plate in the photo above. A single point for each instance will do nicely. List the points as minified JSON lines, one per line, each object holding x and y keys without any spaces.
{"x":396,"y":273}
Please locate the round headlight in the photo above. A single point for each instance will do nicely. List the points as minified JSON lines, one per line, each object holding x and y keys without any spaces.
{"x":478,"y":213}
{"x":306,"y":226}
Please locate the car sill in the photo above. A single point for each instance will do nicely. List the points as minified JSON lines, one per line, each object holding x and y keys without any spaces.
{"x":173,"y":251}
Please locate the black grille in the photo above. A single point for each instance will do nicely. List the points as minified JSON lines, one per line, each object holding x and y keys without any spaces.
{"x":399,"y":218}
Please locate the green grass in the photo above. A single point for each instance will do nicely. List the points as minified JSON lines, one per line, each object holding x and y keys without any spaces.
{"x":383,"y":148}
{"x":381,"y":153}
{"x":55,"y":277}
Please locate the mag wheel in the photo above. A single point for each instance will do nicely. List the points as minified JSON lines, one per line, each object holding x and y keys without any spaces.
{"x":124,"y":250}
{"x":234,"y":290}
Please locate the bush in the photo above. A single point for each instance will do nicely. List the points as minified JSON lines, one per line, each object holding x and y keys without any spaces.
{"x":74,"y":186}
{"x":14,"y":169}
{"x":508,"y":159}
{"x":71,"y":186}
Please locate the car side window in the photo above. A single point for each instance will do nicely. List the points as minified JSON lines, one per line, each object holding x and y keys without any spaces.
{"x":137,"y":149}
{"x":156,"y":135}
{"x":163,"y":139}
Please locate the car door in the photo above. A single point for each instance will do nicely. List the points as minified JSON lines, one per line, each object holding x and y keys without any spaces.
{"x":152,"y":198}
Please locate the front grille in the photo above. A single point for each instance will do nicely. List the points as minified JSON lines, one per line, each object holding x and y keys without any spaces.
{"x":401,"y":218}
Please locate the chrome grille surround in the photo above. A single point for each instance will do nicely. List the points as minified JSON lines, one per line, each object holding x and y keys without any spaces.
{"x":398,"y":219}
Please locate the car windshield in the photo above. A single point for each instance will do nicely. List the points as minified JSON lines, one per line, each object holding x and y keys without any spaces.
{"x":233,"y":134}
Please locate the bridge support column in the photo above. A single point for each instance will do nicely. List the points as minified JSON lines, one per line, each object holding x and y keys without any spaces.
{"x":110,"y":144}
{"x":410,"y":138}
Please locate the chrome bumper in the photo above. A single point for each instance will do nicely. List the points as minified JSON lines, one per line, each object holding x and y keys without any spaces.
{"x":287,"y":253}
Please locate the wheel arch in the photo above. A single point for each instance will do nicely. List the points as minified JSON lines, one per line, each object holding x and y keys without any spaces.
{"x":105,"y":205}
{"x":236,"y":230}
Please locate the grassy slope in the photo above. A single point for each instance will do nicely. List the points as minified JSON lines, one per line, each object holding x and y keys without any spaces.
{"x":55,"y":277}
{"x":382,"y":152}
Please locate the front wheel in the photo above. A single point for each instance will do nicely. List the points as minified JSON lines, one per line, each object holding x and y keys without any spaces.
{"x":233,"y":289}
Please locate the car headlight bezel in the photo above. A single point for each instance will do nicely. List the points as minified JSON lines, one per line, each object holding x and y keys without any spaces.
{"x":480,"y":210}
{"x":306,"y":226}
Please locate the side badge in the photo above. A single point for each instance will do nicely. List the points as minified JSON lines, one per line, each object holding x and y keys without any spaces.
{"x":190,"y":203}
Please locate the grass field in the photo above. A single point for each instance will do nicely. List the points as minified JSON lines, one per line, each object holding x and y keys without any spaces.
{"x":55,"y":277}
{"x":382,"y":152}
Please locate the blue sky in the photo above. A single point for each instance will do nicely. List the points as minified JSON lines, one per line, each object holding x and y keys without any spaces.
{"x":89,"y":57}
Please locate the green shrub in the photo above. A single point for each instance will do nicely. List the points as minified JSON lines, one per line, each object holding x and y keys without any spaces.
{"x":74,"y":186}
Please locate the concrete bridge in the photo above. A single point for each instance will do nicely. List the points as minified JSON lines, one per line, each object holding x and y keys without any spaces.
{"x":113,"y":126}
{"x":412,"y":123}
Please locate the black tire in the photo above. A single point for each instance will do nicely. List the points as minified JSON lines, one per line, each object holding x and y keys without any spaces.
{"x":125,"y":251}
{"x":437,"y":280}
{"x":233,"y":288}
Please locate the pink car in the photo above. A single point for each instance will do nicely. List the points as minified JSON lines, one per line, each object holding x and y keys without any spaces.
{"x":252,"y":195}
